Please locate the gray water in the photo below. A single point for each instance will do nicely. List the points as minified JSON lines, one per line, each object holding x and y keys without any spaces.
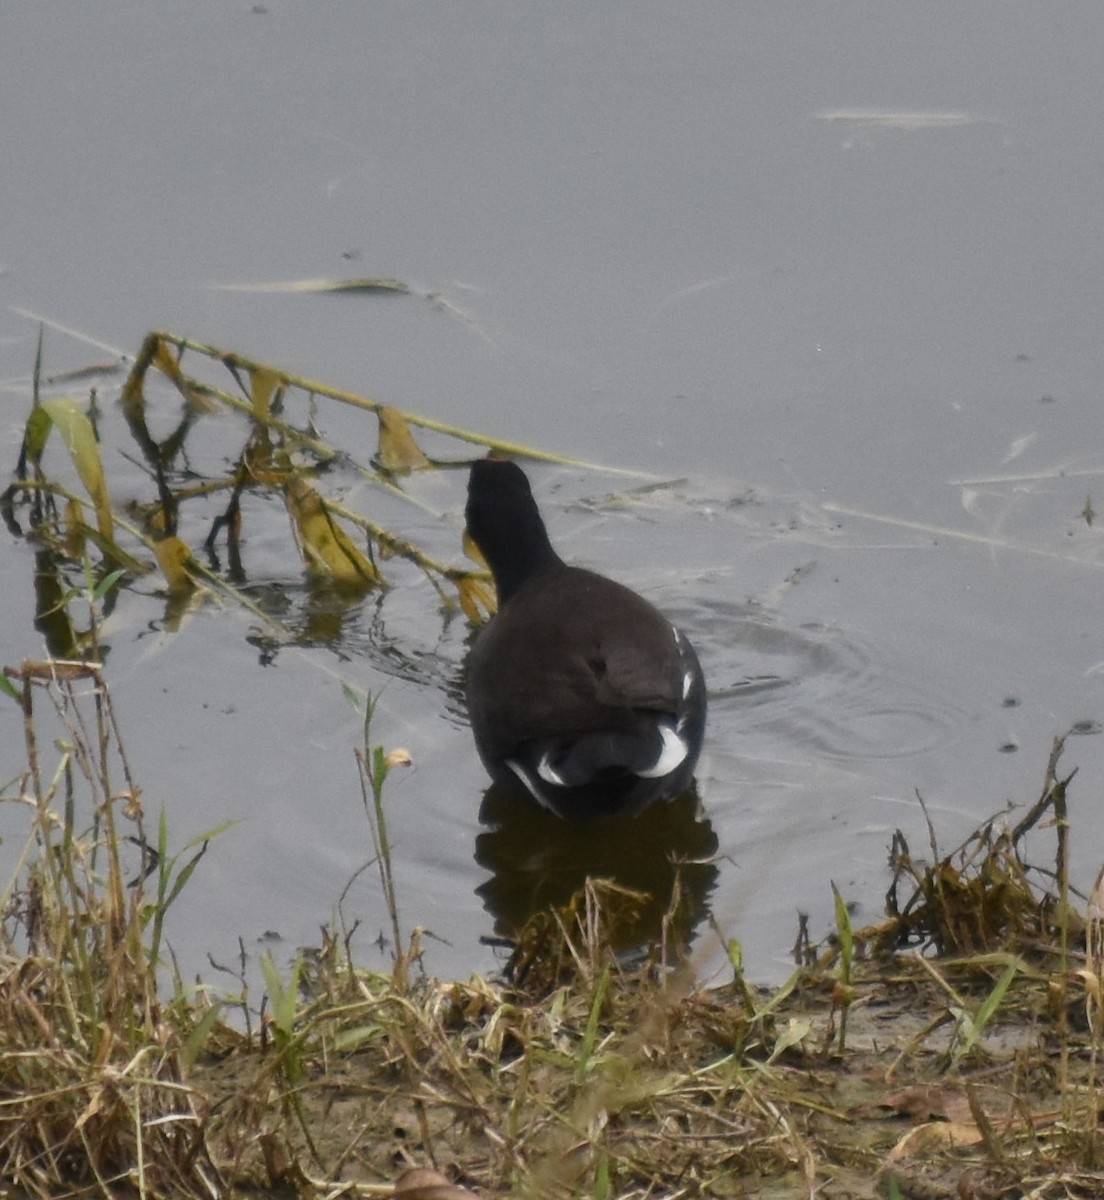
{"x":834,"y":269}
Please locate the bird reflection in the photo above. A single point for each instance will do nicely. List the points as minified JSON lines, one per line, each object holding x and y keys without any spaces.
{"x":539,"y":861}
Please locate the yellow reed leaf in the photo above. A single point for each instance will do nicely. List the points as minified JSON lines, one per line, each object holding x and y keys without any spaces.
{"x":326,"y":548}
{"x":264,"y":382}
{"x":169,"y":365}
{"x":398,"y":451}
{"x":76,"y":431}
{"x":174,"y":557}
{"x":472,"y":551}
{"x":74,"y":529}
{"x":166,"y":362}
{"x":477,"y":599}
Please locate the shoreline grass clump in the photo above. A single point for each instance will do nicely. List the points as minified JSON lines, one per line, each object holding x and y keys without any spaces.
{"x":986,"y":891}
{"x":91,"y":1076}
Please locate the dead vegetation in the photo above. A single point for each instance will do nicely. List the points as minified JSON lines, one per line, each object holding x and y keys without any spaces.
{"x":283,"y":452}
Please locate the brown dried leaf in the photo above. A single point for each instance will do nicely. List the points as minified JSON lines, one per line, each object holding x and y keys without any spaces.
{"x":1092,"y":985}
{"x":926,"y":1140}
{"x":420,"y":1183}
{"x":132,"y":805}
{"x":93,"y":1108}
{"x":132,"y":399}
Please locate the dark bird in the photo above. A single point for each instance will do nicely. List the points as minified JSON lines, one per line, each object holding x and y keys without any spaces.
{"x":580,"y":692}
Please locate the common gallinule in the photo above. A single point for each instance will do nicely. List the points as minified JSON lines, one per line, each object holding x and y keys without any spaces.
{"x":580,"y":692}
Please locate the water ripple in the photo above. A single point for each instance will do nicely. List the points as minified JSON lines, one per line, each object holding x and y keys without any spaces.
{"x":815,"y":687}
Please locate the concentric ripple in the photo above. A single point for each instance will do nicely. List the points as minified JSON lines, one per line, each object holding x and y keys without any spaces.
{"x":812,"y":687}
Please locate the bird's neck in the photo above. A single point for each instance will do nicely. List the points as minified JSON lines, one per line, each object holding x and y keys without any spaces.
{"x":530,"y":556}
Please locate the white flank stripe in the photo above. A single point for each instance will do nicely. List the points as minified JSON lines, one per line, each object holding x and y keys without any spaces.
{"x":673,"y":752}
{"x":545,"y":771}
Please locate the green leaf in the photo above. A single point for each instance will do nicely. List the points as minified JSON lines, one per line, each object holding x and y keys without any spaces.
{"x":735,"y":951}
{"x":796,"y":1031}
{"x":590,"y":1034}
{"x":107,"y":583}
{"x":843,"y":932}
{"x":197,"y":1039}
{"x":993,"y":1001}
{"x":185,"y":872}
{"x":970,"y":1027}
{"x":283,"y":995}
{"x":357,"y":1037}
{"x":36,"y":433}
{"x":602,"y":1176}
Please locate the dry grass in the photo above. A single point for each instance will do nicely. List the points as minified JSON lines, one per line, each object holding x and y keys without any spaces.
{"x":970,"y":1074}
{"x":91,"y":1074}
